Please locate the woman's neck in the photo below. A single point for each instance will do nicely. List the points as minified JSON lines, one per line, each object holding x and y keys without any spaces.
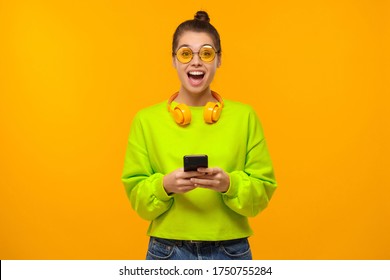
{"x":194,"y":99}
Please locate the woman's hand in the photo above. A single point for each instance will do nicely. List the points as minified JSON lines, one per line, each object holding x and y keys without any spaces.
{"x":212,"y":178}
{"x":179,"y":181}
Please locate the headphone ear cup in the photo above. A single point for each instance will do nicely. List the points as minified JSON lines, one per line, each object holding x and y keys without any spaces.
{"x":181,"y":114}
{"x":212,"y":112}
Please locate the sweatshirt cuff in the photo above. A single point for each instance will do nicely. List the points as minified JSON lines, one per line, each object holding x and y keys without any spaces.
{"x":232,"y":190}
{"x":159,"y":190}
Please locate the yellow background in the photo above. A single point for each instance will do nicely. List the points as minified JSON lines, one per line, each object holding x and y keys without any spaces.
{"x":74,"y":73}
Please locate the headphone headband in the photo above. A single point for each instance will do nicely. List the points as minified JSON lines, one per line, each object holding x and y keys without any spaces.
{"x":213,"y":93}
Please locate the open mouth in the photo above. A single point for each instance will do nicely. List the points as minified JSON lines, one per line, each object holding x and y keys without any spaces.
{"x":195,"y":77}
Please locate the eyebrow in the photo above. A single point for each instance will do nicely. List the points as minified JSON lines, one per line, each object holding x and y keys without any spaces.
{"x":188,"y":46}
{"x":185,"y":45}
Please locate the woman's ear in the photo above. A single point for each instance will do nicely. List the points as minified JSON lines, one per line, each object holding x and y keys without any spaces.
{"x":173,"y":61}
{"x":219,"y":62}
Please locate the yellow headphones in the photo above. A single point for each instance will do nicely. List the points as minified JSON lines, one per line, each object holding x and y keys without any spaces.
{"x":182,"y":114}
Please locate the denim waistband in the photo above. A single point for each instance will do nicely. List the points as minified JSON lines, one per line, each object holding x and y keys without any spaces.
{"x":197,"y":242}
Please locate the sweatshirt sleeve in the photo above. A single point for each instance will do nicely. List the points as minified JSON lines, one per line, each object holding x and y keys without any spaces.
{"x":251,"y":189}
{"x":144,"y":188}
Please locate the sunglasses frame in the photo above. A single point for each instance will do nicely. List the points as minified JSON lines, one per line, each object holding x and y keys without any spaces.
{"x":193,"y":53}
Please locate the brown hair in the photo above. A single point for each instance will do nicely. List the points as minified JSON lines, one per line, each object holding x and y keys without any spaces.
{"x":200,"y":23}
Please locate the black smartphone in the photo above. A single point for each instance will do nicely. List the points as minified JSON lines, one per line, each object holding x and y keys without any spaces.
{"x":192,"y":162}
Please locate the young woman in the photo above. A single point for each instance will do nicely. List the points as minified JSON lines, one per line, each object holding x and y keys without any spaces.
{"x":201,"y":214}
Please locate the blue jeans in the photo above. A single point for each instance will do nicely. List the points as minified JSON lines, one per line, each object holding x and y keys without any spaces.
{"x":168,"y":249}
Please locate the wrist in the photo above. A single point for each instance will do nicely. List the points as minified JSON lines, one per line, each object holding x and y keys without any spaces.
{"x":165,"y":184}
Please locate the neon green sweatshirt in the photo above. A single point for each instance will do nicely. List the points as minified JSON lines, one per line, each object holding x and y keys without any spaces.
{"x":235,"y":143}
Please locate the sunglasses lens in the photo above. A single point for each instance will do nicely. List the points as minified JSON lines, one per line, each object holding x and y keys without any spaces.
{"x":184,"y":55}
{"x":207,"y":53}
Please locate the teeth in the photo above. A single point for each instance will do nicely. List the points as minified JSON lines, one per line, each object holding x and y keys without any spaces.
{"x":196,"y":73}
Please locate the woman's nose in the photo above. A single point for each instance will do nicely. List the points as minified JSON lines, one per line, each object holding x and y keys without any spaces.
{"x":196,"y":59}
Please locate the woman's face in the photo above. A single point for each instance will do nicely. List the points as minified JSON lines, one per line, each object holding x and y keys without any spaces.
{"x":196,"y":75}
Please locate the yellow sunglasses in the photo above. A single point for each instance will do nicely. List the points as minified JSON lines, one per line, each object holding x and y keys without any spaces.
{"x":206,"y":54}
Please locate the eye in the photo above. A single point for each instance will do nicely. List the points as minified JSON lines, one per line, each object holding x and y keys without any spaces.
{"x":206,"y":53}
{"x":185,"y":53}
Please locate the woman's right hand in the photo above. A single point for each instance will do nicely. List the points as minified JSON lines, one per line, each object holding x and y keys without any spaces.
{"x":179,"y":181}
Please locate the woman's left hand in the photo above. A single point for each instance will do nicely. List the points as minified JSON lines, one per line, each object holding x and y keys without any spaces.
{"x":214,"y":178}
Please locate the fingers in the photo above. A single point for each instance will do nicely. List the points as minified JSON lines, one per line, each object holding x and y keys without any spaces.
{"x":178,"y":182}
{"x":213,"y":178}
{"x":189,"y":174}
{"x":181,"y":182}
{"x":209,"y":171}
{"x":198,"y":182}
{"x":200,"y":172}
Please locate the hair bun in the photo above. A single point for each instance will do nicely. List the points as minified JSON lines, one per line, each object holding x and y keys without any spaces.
{"x":202,"y":16}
